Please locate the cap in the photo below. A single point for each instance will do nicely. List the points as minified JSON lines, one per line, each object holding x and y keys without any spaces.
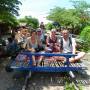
{"x":39,"y":29}
{"x":53,"y":30}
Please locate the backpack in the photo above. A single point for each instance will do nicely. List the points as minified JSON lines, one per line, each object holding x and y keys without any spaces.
{"x":70,"y":42}
{"x":44,"y":39}
{"x":12,"y":49}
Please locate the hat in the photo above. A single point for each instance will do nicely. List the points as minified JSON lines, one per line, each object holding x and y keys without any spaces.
{"x":53,"y":30}
{"x":39,"y":30}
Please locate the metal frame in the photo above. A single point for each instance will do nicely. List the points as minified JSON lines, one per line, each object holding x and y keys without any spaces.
{"x":64,"y":68}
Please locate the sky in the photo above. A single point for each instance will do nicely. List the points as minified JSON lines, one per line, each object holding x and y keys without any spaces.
{"x":41,"y":8}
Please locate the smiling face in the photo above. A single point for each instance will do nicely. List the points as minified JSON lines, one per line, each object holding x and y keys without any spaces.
{"x":53,"y":33}
{"x":24,"y":31}
{"x":65,"y":34}
{"x":39,"y":33}
{"x":33,"y":33}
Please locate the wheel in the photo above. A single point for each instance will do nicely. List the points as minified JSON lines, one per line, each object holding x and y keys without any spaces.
{"x":8,"y":69}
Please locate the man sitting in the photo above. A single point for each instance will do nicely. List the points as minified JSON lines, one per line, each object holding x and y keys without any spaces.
{"x":68,"y":45}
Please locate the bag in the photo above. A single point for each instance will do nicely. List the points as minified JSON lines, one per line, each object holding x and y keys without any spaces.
{"x":39,"y":48}
{"x":21,"y":57}
{"x":44,"y":39}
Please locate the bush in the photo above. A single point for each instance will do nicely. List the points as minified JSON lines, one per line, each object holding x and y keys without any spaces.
{"x":49,"y":26}
{"x":85,"y":37}
{"x":71,"y":86}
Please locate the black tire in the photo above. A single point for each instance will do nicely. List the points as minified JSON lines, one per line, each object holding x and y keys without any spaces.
{"x":8,"y":69}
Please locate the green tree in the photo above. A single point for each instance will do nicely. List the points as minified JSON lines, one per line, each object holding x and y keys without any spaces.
{"x":8,"y":11}
{"x":8,"y":19}
{"x":82,"y":11}
{"x":30,"y":21}
{"x":64,"y":17}
{"x":75,"y":19}
{"x":85,"y":37}
{"x":11,"y":6}
{"x":49,"y":26}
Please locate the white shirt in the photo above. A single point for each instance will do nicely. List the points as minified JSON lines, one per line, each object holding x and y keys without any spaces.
{"x":66,"y":47}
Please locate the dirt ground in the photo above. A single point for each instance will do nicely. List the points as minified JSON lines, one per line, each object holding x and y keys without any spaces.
{"x":41,"y":81}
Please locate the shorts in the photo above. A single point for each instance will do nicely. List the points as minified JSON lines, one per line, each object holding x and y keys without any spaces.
{"x":40,"y":48}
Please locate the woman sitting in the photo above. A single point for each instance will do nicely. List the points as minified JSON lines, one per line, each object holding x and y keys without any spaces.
{"x":33,"y":45}
{"x":53,"y":45}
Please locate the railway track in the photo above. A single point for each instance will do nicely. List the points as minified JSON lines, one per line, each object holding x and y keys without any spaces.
{"x":40,"y":80}
{"x":55,"y":78}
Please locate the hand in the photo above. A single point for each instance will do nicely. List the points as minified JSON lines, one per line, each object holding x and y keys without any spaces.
{"x":48,"y":44}
{"x":51,"y":44}
{"x":32,"y":50}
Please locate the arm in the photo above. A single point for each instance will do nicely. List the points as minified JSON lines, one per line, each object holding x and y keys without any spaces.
{"x":47,"y":41}
{"x":29,"y":46}
{"x":73,"y":46}
{"x":59,"y":45}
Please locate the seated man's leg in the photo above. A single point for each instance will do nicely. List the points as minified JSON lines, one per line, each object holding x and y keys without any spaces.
{"x":60,"y":58}
{"x":79,"y":56}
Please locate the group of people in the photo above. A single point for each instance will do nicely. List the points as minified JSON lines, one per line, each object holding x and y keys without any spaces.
{"x":37,"y":41}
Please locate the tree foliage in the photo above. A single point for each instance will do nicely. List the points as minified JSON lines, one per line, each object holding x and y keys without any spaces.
{"x":8,"y":11}
{"x":11,"y":6}
{"x":82,"y":10}
{"x":85,"y":37}
{"x":30,"y":21}
{"x":64,"y":17}
{"x":8,"y":19}
{"x":76,"y":18}
{"x":49,"y":26}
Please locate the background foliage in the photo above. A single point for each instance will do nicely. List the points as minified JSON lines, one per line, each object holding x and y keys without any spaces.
{"x":85,"y":38}
{"x":75,"y":19}
{"x":30,"y":21}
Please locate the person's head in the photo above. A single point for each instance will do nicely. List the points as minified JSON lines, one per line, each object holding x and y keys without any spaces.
{"x":53,"y":32}
{"x":65,"y":33}
{"x":23,"y":30}
{"x":42,"y":25}
{"x":33,"y":32}
{"x":28,"y":34}
{"x":39,"y":32}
